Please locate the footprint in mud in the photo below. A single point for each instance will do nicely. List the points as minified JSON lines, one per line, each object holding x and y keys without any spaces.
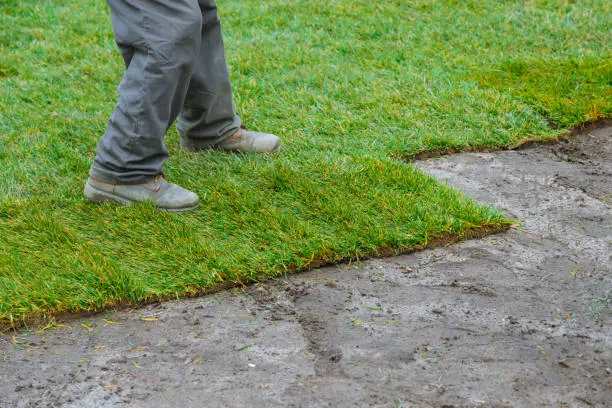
{"x":316,"y":332}
{"x":475,"y":288}
{"x":464,"y":287}
{"x":278,"y":298}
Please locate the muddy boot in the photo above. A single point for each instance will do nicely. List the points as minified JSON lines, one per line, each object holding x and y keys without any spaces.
{"x":164,"y":195}
{"x":246,"y":141}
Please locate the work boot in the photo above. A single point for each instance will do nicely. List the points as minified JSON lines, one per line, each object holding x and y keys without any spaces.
{"x":166,"y":196}
{"x":243,"y":141}
{"x":246,"y":141}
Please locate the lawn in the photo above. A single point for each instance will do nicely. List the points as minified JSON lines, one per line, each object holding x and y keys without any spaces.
{"x":355,"y":88}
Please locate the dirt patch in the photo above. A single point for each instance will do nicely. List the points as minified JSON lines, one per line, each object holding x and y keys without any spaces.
{"x":522,"y":318}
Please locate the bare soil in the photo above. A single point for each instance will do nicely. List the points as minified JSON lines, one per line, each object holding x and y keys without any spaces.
{"x":519,"y":319}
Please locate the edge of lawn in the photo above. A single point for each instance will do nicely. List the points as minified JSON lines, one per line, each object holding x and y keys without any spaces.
{"x":38,"y":321}
{"x":524,"y":143}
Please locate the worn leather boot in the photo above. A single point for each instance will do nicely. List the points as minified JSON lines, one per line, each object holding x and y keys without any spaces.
{"x":247,"y":141}
{"x":166,"y":196}
{"x":243,"y":141}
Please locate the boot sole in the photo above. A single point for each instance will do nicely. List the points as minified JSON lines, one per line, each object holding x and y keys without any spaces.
{"x":99,"y":196}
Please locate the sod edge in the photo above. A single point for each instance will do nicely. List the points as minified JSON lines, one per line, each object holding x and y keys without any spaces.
{"x":49,"y":318}
{"x":524,"y":143}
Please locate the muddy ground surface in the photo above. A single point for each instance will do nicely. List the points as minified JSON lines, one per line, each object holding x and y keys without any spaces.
{"x":516,"y":319}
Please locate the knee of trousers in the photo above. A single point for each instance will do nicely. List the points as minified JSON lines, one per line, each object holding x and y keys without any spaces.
{"x":179,"y":41}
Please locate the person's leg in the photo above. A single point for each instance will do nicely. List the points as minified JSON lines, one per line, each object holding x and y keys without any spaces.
{"x":208,"y":118}
{"x":160,"y":41}
{"x":208,"y":115}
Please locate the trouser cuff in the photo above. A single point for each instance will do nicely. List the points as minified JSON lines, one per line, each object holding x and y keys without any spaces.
{"x":113,"y":177}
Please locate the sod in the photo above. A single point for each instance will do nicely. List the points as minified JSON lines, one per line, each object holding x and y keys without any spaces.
{"x":353,"y":87}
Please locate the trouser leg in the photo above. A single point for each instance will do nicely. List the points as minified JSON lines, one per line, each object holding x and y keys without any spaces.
{"x":160,"y":41}
{"x":208,"y":115}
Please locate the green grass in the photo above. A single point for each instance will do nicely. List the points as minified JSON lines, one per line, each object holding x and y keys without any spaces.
{"x":351,"y":86}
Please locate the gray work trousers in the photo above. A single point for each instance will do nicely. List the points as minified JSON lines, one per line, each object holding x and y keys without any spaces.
{"x":175,"y":67}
